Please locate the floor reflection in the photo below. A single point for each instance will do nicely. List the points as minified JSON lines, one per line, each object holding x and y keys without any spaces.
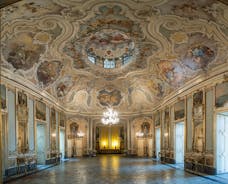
{"x":113,"y":169}
{"x":115,"y":164}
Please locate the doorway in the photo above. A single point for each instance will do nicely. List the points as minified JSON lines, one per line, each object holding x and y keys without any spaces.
{"x":62,"y":142}
{"x":179,"y":143}
{"x":41,"y":143}
{"x":222,"y":143}
{"x":157,"y":142}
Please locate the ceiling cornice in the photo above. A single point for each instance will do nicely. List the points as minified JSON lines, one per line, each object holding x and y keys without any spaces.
{"x":5,"y":3}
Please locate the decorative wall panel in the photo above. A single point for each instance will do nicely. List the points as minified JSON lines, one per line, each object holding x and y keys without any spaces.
{"x":222,"y":95}
{"x":40,"y":111}
{"x":3,"y":96}
{"x":189,"y":128}
{"x":209,"y":120}
{"x":11,"y":122}
{"x":31,"y":124}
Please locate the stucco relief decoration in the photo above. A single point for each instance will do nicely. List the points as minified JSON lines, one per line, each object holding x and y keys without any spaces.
{"x":222,"y":95}
{"x":109,"y":98}
{"x":142,"y":125}
{"x":179,"y":110}
{"x":198,"y":113}
{"x":73,"y":130}
{"x":22,"y":114}
{"x":48,"y":72}
{"x":40,"y":111}
{"x":3,"y":97}
{"x":22,"y":111}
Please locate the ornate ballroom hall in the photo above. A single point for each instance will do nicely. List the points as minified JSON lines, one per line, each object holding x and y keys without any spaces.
{"x":112,"y":91}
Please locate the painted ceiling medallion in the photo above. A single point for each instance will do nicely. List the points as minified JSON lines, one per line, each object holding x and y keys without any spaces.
{"x":107,"y":98}
{"x":110,"y":46}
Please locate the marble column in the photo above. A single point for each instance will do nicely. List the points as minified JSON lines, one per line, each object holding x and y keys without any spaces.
{"x":87,"y":135}
{"x":125,"y":137}
{"x":91,"y":134}
{"x":189,"y":132}
{"x":57,"y":130}
{"x":48,"y":128}
{"x":31,"y":125}
{"x":94,"y":136}
{"x":131,"y":136}
{"x":128,"y":135}
{"x":12,"y":122}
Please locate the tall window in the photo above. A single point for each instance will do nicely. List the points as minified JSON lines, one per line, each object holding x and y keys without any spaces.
{"x":109,"y":63}
{"x":92,"y":59}
{"x":126,"y":59}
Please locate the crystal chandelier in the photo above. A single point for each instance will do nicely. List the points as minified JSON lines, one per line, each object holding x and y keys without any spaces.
{"x":110,"y":117}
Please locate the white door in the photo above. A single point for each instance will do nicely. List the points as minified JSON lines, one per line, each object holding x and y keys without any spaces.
{"x":41,"y":143}
{"x":222,"y":143}
{"x":179,"y":143}
{"x":157,"y":139}
{"x":62,"y":143}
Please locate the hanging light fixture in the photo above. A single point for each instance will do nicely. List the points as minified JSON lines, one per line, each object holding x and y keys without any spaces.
{"x":110,"y":117}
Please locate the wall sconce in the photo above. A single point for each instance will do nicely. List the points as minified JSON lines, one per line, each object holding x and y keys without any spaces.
{"x":139,"y":134}
{"x":166,"y":134}
{"x":115,"y":144}
{"x":80,"y":134}
{"x":104,"y":144}
{"x":53,"y":134}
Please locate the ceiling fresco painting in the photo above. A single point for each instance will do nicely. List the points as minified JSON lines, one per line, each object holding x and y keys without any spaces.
{"x":63,"y":86}
{"x":111,"y":98}
{"x":21,"y":52}
{"x":88,"y":54}
{"x":109,"y":35}
{"x":48,"y":72}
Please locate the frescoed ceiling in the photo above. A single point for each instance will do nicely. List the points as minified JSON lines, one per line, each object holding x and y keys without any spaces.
{"x":153,"y":48}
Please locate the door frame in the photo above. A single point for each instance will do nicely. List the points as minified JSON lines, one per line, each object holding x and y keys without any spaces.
{"x":217,"y":112}
{"x":46,"y":136}
{"x":64,"y":130}
{"x":157,"y":156}
{"x":175,"y":124}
